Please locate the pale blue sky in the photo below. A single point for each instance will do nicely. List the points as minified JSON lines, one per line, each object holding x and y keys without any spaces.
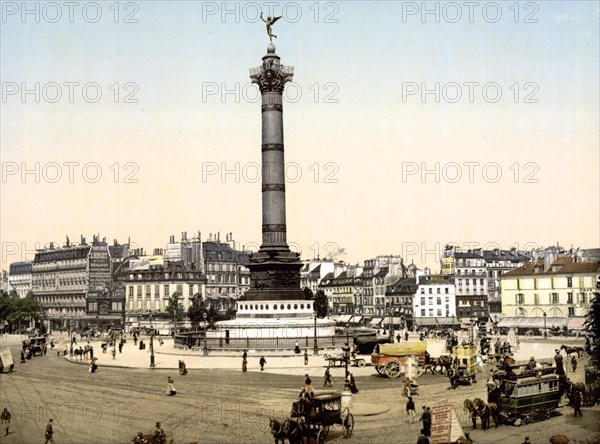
{"x":174,"y":53}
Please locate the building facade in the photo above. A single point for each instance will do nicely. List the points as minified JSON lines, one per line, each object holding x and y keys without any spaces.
{"x":74,"y":286}
{"x":149,"y":289}
{"x":561,"y":287}
{"x":435,"y":300}
{"x":19,"y":278}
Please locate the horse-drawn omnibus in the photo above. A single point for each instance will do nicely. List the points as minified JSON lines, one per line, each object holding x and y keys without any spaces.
{"x":527,"y":396}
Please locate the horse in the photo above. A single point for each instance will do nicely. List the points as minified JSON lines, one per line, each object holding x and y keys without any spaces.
{"x":444,"y":362}
{"x":277,"y":431}
{"x":479,"y":408}
{"x":294,"y":430}
{"x":569,"y":350}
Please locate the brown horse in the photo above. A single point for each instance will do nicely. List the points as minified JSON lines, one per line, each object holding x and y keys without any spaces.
{"x":479,"y":408}
{"x":444,"y":362}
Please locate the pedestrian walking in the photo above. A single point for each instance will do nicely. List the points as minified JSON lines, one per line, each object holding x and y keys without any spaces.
{"x":327,"y":377}
{"x":5,"y":419}
{"x":353,"y":388}
{"x":410,"y":409}
{"x":398,"y":337}
{"x":113,"y":352}
{"x":309,"y":390}
{"x":426,"y":418}
{"x":49,"y":432}
{"x":262,"y":363}
{"x":576,"y":402}
{"x":170,"y":387}
{"x":305,"y":357}
{"x":297,"y":348}
{"x":244,"y":364}
{"x":121,"y":346}
{"x":574,"y":363}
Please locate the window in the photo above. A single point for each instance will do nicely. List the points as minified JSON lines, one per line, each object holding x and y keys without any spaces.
{"x":130,"y":289}
{"x":439,"y":311}
{"x":92,"y":306}
{"x":156,"y":291}
{"x":446,"y":290}
{"x":520,"y":298}
{"x":460,"y":282}
{"x":480,"y":281}
{"x":116,"y":306}
{"x":439,"y":301}
{"x":571,"y":311}
{"x":536,"y":299}
{"x":147,"y":291}
{"x":422,"y":312}
{"x":166,"y":290}
{"x":554,"y":298}
{"x":138,"y":291}
{"x":474,"y":281}
{"x":430,"y":290}
{"x":569,"y":298}
{"x":582,"y":298}
{"x":422,"y":301}
{"x":569,"y":282}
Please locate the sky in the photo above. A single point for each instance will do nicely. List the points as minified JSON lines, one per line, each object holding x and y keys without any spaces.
{"x":408,"y":125}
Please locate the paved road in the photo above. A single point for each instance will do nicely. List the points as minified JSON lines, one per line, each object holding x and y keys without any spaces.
{"x":226,"y":405}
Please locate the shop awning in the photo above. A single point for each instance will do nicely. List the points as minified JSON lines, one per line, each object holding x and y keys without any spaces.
{"x":356,"y":319}
{"x":533,"y":322}
{"x":376,"y":321}
{"x":575,"y":323}
{"x":342,"y":319}
{"x":435,"y":321}
{"x":392,"y":320}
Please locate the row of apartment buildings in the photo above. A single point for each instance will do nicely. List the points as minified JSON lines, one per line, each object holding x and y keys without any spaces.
{"x":97,"y":284}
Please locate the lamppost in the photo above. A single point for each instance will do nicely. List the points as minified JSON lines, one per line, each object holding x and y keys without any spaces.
{"x":346,"y":350}
{"x":71,"y":330}
{"x":205,"y":349}
{"x":545,"y":331}
{"x":151,"y":342}
{"x":315,"y":343}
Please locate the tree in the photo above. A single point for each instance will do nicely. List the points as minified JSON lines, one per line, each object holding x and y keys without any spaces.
{"x":308,"y":294}
{"x":196,"y":311}
{"x":592,"y":323}
{"x":321,"y":304}
{"x":175,"y":308}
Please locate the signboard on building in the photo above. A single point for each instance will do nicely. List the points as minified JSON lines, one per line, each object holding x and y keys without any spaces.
{"x":174,"y":251}
{"x":144,"y":263}
{"x":6,"y":360}
{"x":99,"y":267}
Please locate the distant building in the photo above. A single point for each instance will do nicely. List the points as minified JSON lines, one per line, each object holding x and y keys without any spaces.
{"x":74,"y":286}
{"x":19,"y":278}
{"x":149,"y":289}
{"x":341,"y":289}
{"x":498,"y":262}
{"x":434,"y":302}
{"x":399,"y":296}
{"x":561,"y":287}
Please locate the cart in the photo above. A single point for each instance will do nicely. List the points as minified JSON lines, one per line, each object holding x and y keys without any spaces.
{"x":320,"y":413}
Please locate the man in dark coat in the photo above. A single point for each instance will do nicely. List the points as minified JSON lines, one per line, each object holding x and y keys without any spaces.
{"x":558,"y":359}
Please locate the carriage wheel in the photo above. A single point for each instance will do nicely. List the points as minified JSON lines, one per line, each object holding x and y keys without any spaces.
{"x":361,"y":363}
{"x":379,"y":369}
{"x":348,"y":425}
{"x":392,"y":369}
{"x":321,"y":436}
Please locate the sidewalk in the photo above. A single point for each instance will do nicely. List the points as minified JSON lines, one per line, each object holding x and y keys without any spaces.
{"x":167,"y":357}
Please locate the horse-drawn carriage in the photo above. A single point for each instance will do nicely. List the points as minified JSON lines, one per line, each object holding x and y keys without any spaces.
{"x":313,"y":418}
{"x":464,"y":372}
{"x":340,"y":360}
{"x":391,"y":360}
{"x":527,"y":396}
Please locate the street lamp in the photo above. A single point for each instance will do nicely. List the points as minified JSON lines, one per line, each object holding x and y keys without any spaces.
{"x":205,"y":349}
{"x":152,"y":365}
{"x":315,"y":343}
{"x":71,"y":330}
{"x":545,"y":331}
{"x":346,"y":350}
